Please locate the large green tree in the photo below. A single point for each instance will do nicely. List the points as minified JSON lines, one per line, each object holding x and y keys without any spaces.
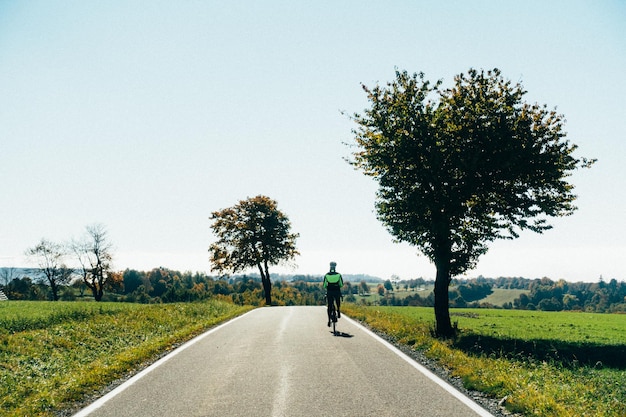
{"x":458,"y":168}
{"x":253,"y":233}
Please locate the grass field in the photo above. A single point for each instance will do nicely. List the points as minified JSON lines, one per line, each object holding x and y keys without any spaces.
{"x":543,"y":364}
{"x":374,"y":298}
{"x":53,"y":354}
{"x":500,"y":296}
{"x":576,"y":327}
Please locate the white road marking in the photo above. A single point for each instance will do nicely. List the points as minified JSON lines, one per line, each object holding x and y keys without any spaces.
{"x":279,"y":407}
{"x":443,"y":384}
{"x":104,"y":399}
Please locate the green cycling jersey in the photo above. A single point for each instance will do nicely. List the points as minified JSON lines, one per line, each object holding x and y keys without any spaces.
{"x":333,"y":281}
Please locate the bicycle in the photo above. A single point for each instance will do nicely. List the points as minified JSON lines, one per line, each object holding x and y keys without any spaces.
{"x":333,"y":317}
{"x":333,"y":313}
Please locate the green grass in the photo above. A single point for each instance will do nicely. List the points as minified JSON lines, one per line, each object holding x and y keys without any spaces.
{"x":499,"y":297}
{"x":606,"y":329}
{"x":17,"y":316}
{"x":53,"y":354}
{"x":374,"y":298}
{"x":545,"y":364}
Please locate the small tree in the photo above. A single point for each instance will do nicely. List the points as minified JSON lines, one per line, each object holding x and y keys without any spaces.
{"x":364,"y":288}
{"x":380,"y":289}
{"x":253,"y":233}
{"x":7,"y":275}
{"x":94,"y":254}
{"x":462,"y":167}
{"x":49,"y":256}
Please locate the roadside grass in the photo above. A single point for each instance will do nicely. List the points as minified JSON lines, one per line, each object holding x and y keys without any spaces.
{"x":55,"y":354}
{"x":541,"y":364}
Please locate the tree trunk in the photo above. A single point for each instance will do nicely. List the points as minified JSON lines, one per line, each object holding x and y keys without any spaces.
{"x":267,"y":287}
{"x":267,"y":284}
{"x":98,"y":293}
{"x":442,"y":304}
{"x":95,"y":289}
{"x":55,"y":291}
{"x":100,"y":284}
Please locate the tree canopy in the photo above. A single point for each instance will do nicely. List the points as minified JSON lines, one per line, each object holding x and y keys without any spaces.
{"x":253,"y":233}
{"x":458,"y":168}
{"x":50,"y":258}
{"x":95,"y":256}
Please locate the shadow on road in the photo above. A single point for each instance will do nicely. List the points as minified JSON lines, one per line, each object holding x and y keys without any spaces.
{"x":342,"y":334}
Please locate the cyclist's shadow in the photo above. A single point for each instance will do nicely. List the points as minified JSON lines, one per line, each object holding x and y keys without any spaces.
{"x":341,"y":334}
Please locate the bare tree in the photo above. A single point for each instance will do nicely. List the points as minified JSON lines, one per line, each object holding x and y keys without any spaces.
{"x":94,"y":254}
{"x":7,"y":275}
{"x":49,"y":257}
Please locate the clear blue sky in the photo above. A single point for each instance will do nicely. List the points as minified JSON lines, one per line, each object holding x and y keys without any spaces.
{"x":146,"y":116}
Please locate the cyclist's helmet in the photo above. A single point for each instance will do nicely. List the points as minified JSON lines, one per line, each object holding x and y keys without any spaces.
{"x":333,"y":264}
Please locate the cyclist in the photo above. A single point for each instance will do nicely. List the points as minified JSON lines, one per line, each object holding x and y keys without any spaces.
{"x":333,"y":283}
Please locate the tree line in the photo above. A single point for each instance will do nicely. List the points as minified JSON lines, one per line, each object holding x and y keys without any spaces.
{"x":598,"y":297}
{"x":161,"y":285}
{"x":542,"y":294}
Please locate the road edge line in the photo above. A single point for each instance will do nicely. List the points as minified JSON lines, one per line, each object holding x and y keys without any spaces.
{"x":430,"y":375}
{"x":132,"y":380}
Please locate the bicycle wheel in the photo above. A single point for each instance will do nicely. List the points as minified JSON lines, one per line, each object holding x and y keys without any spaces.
{"x":333,"y":318}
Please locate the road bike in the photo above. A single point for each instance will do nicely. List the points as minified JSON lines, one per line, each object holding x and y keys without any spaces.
{"x":333,"y":314}
{"x":333,"y":317}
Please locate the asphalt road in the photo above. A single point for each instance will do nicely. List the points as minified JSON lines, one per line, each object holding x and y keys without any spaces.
{"x":284,"y":361}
